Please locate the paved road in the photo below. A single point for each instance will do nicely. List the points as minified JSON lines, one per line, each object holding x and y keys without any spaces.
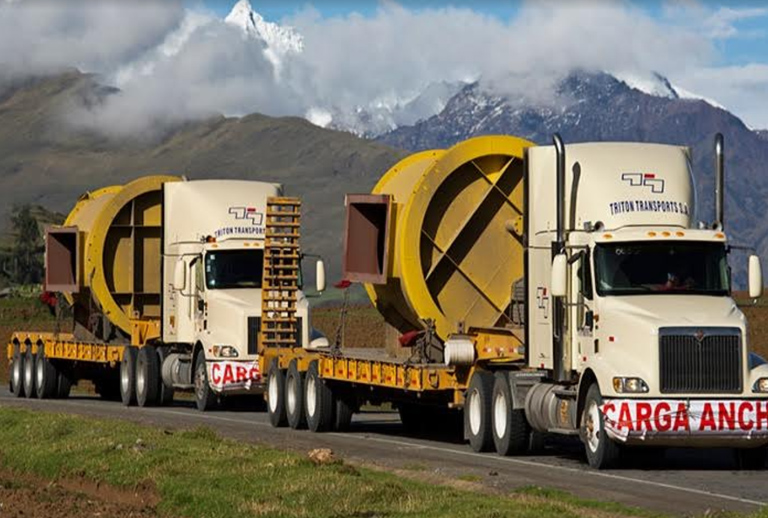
{"x":683,"y":482}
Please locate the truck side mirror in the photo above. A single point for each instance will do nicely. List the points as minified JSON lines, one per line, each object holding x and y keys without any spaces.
{"x":180,"y":275}
{"x":320,"y":276}
{"x":559,"y":281}
{"x":755,"y":277}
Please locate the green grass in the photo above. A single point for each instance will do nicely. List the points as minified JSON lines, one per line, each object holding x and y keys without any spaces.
{"x":567,"y":498}
{"x":197,"y":474}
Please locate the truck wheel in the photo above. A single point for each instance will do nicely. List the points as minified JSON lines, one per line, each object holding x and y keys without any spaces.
{"x":205,"y":397}
{"x":751,"y":459}
{"x":294,"y":398}
{"x":342,"y":416}
{"x":29,"y":373}
{"x":63,"y":384}
{"x":45,"y":374}
{"x":477,"y":412}
{"x":318,"y":400}
{"x":602,"y":451}
{"x":147,"y":376}
{"x":511,"y":432}
{"x":276,"y":396}
{"x":128,"y":376}
{"x":17,"y":372}
{"x":165,"y":397}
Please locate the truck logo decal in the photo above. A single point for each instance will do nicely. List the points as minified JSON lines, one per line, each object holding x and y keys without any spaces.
{"x":248,"y":213}
{"x":542,"y":302}
{"x":644,"y":180}
{"x":628,"y":417}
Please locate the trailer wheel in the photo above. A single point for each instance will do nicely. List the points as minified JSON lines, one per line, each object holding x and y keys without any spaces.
{"x":63,"y":383}
{"x":165,"y":397}
{"x":205,"y":397}
{"x":45,"y":374}
{"x":602,"y":451}
{"x":276,"y":395}
{"x":342,"y":416}
{"x":477,"y":412}
{"x":511,"y":432}
{"x":751,"y":459}
{"x":318,"y":400}
{"x":147,"y":376}
{"x":294,"y":398}
{"x":17,"y":372}
{"x":29,"y":373}
{"x":128,"y":376}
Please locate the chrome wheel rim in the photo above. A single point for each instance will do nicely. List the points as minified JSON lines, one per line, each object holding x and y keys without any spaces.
{"x":29,"y":373}
{"x":273,"y":393}
{"x":474,"y":412}
{"x":125,"y":378}
{"x":40,"y":373}
{"x":291,"y":395}
{"x":592,"y":427}
{"x":311,"y":396}
{"x":500,"y":408}
{"x":141,"y":377}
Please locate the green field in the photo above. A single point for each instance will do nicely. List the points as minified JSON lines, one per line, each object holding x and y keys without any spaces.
{"x":194,"y":473}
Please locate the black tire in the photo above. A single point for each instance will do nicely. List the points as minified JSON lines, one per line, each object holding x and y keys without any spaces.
{"x":477,"y":412}
{"x":342,"y":415}
{"x":165,"y":397}
{"x":276,"y":396}
{"x":147,"y":377}
{"x":294,"y":398}
{"x":29,"y":373}
{"x":46,"y":376}
{"x":205,"y":398}
{"x":128,"y":376}
{"x":511,"y":431}
{"x":17,"y":372}
{"x":751,"y":459}
{"x":602,"y":451}
{"x":318,"y":401}
{"x":64,"y":383}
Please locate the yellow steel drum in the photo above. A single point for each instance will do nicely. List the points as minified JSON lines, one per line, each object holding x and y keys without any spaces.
{"x":120,"y":246}
{"x":456,"y":244}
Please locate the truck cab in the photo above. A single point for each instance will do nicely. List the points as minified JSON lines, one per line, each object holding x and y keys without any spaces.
{"x":633,"y":306}
{"x":213,"y":263}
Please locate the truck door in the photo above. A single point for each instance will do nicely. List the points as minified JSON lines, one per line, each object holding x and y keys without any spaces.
{"x":198,"y":303}
{"x":583,"y":328}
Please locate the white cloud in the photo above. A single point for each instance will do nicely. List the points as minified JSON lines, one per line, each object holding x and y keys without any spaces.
{"x":173,"y":64}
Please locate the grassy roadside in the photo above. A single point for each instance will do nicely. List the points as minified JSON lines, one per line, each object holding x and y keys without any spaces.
{"x":196,"y":474}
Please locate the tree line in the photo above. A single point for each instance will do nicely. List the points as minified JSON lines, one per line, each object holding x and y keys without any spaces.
{"x":22,"y":257}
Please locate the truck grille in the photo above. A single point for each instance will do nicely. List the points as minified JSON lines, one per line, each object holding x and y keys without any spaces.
{"x":700,"y":360}
{"x":254,"y":326}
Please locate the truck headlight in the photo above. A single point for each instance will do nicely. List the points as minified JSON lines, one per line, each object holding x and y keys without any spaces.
{"x":761,"y":385}
{"x":629,"y":385}
{"x":225,"y":351}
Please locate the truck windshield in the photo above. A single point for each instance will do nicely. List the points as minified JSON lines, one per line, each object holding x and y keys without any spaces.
{"x":663,"y":268}
{"x":232,"y":269}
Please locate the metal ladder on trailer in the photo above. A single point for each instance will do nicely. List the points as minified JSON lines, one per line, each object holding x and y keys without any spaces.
{"x":280,"y":281}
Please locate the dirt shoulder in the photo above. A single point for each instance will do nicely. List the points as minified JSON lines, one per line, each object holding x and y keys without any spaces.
{"x":28,"y":496}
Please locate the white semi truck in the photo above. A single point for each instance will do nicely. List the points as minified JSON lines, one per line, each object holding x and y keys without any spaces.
{"x":553,"y":289}
{"x":164,"y":281}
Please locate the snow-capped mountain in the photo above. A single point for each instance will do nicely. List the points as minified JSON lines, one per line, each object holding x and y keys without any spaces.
{"x":279,"y":40}
{"x":386,"y":114}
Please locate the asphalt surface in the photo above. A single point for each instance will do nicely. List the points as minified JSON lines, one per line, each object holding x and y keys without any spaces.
{"x":682,"y":482}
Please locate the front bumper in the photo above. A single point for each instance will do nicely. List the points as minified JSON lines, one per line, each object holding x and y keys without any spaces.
{"x":741,"y":423}
{"x":232,"y":377}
